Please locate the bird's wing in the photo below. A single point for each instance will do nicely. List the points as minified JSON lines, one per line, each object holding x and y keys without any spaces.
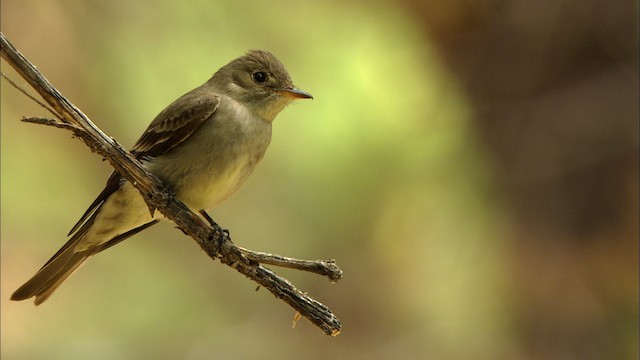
{"x":170,"y":128}
{"x":175,"y":124}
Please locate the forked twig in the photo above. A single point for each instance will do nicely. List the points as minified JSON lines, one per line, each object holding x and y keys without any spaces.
{"x":29,"y":95}
{"x":327,"y":268}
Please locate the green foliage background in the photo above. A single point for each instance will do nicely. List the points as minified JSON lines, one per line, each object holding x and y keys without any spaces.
{"x":381,"y":171}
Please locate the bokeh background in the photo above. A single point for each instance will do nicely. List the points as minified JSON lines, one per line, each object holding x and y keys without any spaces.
{"x":471,"y":165}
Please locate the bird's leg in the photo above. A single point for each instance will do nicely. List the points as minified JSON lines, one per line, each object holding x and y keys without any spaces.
{"x":213,"y":223}
{"x":208,"y":218}
{"x":224,"y":232}
{"x":326,"y":268}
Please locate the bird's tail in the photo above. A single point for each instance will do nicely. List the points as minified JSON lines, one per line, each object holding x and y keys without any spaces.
{"x":66,"y":261}
{"x":52,"y":274}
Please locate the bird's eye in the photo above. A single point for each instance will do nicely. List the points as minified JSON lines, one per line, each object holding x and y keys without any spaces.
{"x":260,"y":76}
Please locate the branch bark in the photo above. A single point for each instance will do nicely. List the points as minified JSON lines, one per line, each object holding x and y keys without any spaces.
{"x":211,"y":238}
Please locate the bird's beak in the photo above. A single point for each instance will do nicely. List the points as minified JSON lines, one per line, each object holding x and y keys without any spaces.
{"x":294,"y":93}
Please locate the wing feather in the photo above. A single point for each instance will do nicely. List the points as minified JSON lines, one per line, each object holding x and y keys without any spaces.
{"x":169,"y":129}
{"x":175,"y":124}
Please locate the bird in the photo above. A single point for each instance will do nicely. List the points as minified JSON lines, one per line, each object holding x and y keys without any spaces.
{"x":203,"y":146}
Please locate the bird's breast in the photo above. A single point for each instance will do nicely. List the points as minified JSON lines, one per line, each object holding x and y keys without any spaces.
{"x":216,"y":160}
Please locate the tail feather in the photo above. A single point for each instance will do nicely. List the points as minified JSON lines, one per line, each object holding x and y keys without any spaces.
{"x":65,"y":262}
{"x":47,"y":279}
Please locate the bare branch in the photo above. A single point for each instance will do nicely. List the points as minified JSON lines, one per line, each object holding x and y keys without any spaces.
{"x":212,"y":239}
{"x":327,"y":268}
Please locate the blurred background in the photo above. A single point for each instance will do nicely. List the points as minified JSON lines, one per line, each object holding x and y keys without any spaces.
{"x":471,"y":165}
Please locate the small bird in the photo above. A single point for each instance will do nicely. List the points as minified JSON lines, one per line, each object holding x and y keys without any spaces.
{"x":204,"y":145}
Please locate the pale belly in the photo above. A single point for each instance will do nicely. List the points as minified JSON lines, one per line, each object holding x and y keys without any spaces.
{"x":124,"y":210}
{"x":207,"y":190}
{"x":214,"y":163}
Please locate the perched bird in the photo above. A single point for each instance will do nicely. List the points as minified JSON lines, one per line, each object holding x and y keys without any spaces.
{"x":203,"y":146}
